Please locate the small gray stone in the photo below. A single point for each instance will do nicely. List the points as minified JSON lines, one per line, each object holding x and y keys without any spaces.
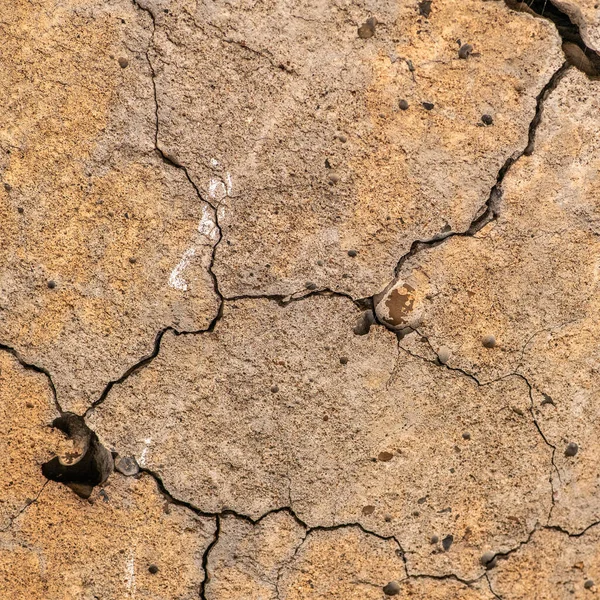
{"x":367,"y":29}
{"x":487,"y":119}
{"x":127,"y":465}
{"x":466,"y":435}
{"x":444,"y":355}
{"x":403,"y":104}
{"x":434,"y":539}
{"x":123,"y":62}
{"x":274,"y":389}
{"x":488,"y":341}
{"x":486,"y":558}
{"x":465,"y":51}
{"x":447,"y":542}
{"x":571,"y":449}
{"x":589,"y":584}
{"x":352,"y":253}
{"x":310,"y":285}
{"x":391,"y":589}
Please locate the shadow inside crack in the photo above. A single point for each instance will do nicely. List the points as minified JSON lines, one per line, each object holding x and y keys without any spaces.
{"x":576,"y":52}
{"x":83,"y":461}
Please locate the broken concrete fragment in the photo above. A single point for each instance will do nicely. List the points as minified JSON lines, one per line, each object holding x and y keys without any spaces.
{"x":530,"y":277}
{"x":401,"y":304}
{"x":247,"y":559}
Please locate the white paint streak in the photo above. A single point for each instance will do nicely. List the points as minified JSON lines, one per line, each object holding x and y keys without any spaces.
{"x":217,"y":190}
{"x":175,"y":279}
{"x":130,"y":568}
{"x":228,"y":184}
{"x":207,"y":226}
{"x":142,"y":461}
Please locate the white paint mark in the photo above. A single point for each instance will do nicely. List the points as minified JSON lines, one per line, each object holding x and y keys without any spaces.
{"x":142,"y":461}
{"x":229,"y":183}
{"x":216,"y":189}
{"x":175,"y":279}
{"x":130,"y":568}
{"x":207,"y":226}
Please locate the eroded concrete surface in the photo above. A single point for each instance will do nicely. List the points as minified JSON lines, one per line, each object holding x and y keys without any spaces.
{"x":323,"y":277}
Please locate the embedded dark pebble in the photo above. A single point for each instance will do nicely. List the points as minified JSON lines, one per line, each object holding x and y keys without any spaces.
{"x":342,"y":138}
{"x":7,"y":187}
{"x":123,"y":62}
{"x":487,"y":558}
{"x":391,"y":589}
{"x":320,"y":263}
{"x":571,"y":449}
{"x":385,"y":456}
{"x":310,"y":285}
{"x":447,"y":542}
{"x":427,"y":105}
{"x":51,"y":284}
{"x":488,"y":341}
{"x":367,"y":29}
{"x":466,"y":435}
{"x":425,"y":8}
{"x":487,"y":119}
{"x":274,"y":389}
{"x":368,"y":510}
{"x":20,"y":210}
{"x":334,"y":178}
{"x":547,"y":400}
{"x":589,"y":584}
{"x":153,"y":569}
{"x":403,"y":104}
{"x":343,"y":360}
{"x":363,"y":326}
{"x":132,"y":260}
{"x":422,"y":500}
{"x":434,"y":539}
{"x":352,"y":253}
{"x":465,"y":51}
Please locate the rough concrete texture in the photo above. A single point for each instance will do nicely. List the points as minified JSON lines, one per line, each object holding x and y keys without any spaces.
{"x":364,"y":439}
{"x":296,"y":122}
{"x":87,"y":206}
{"x":202,"y":206}
{"x":66,"y":547}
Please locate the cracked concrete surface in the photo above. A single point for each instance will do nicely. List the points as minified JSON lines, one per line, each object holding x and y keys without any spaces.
{"x":200,"y":202}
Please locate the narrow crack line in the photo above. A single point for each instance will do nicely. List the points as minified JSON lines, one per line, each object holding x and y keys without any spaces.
{"x":254,"y":521}
{"x":130,"y":371}
{"x":242,"y":44}
{"x":538,"y":427}
{"x":24,"y":508}
{"x":489,"y":211}
{"x":572,"y":534}
{"x":491,"y":587}
{"x":285,"y":299}
{"x":205,"y":557}
{"x":450,"y":576}
{"x":37,"y":369}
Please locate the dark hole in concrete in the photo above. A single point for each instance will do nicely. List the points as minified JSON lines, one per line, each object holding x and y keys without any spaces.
{"x":87,"y":464}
